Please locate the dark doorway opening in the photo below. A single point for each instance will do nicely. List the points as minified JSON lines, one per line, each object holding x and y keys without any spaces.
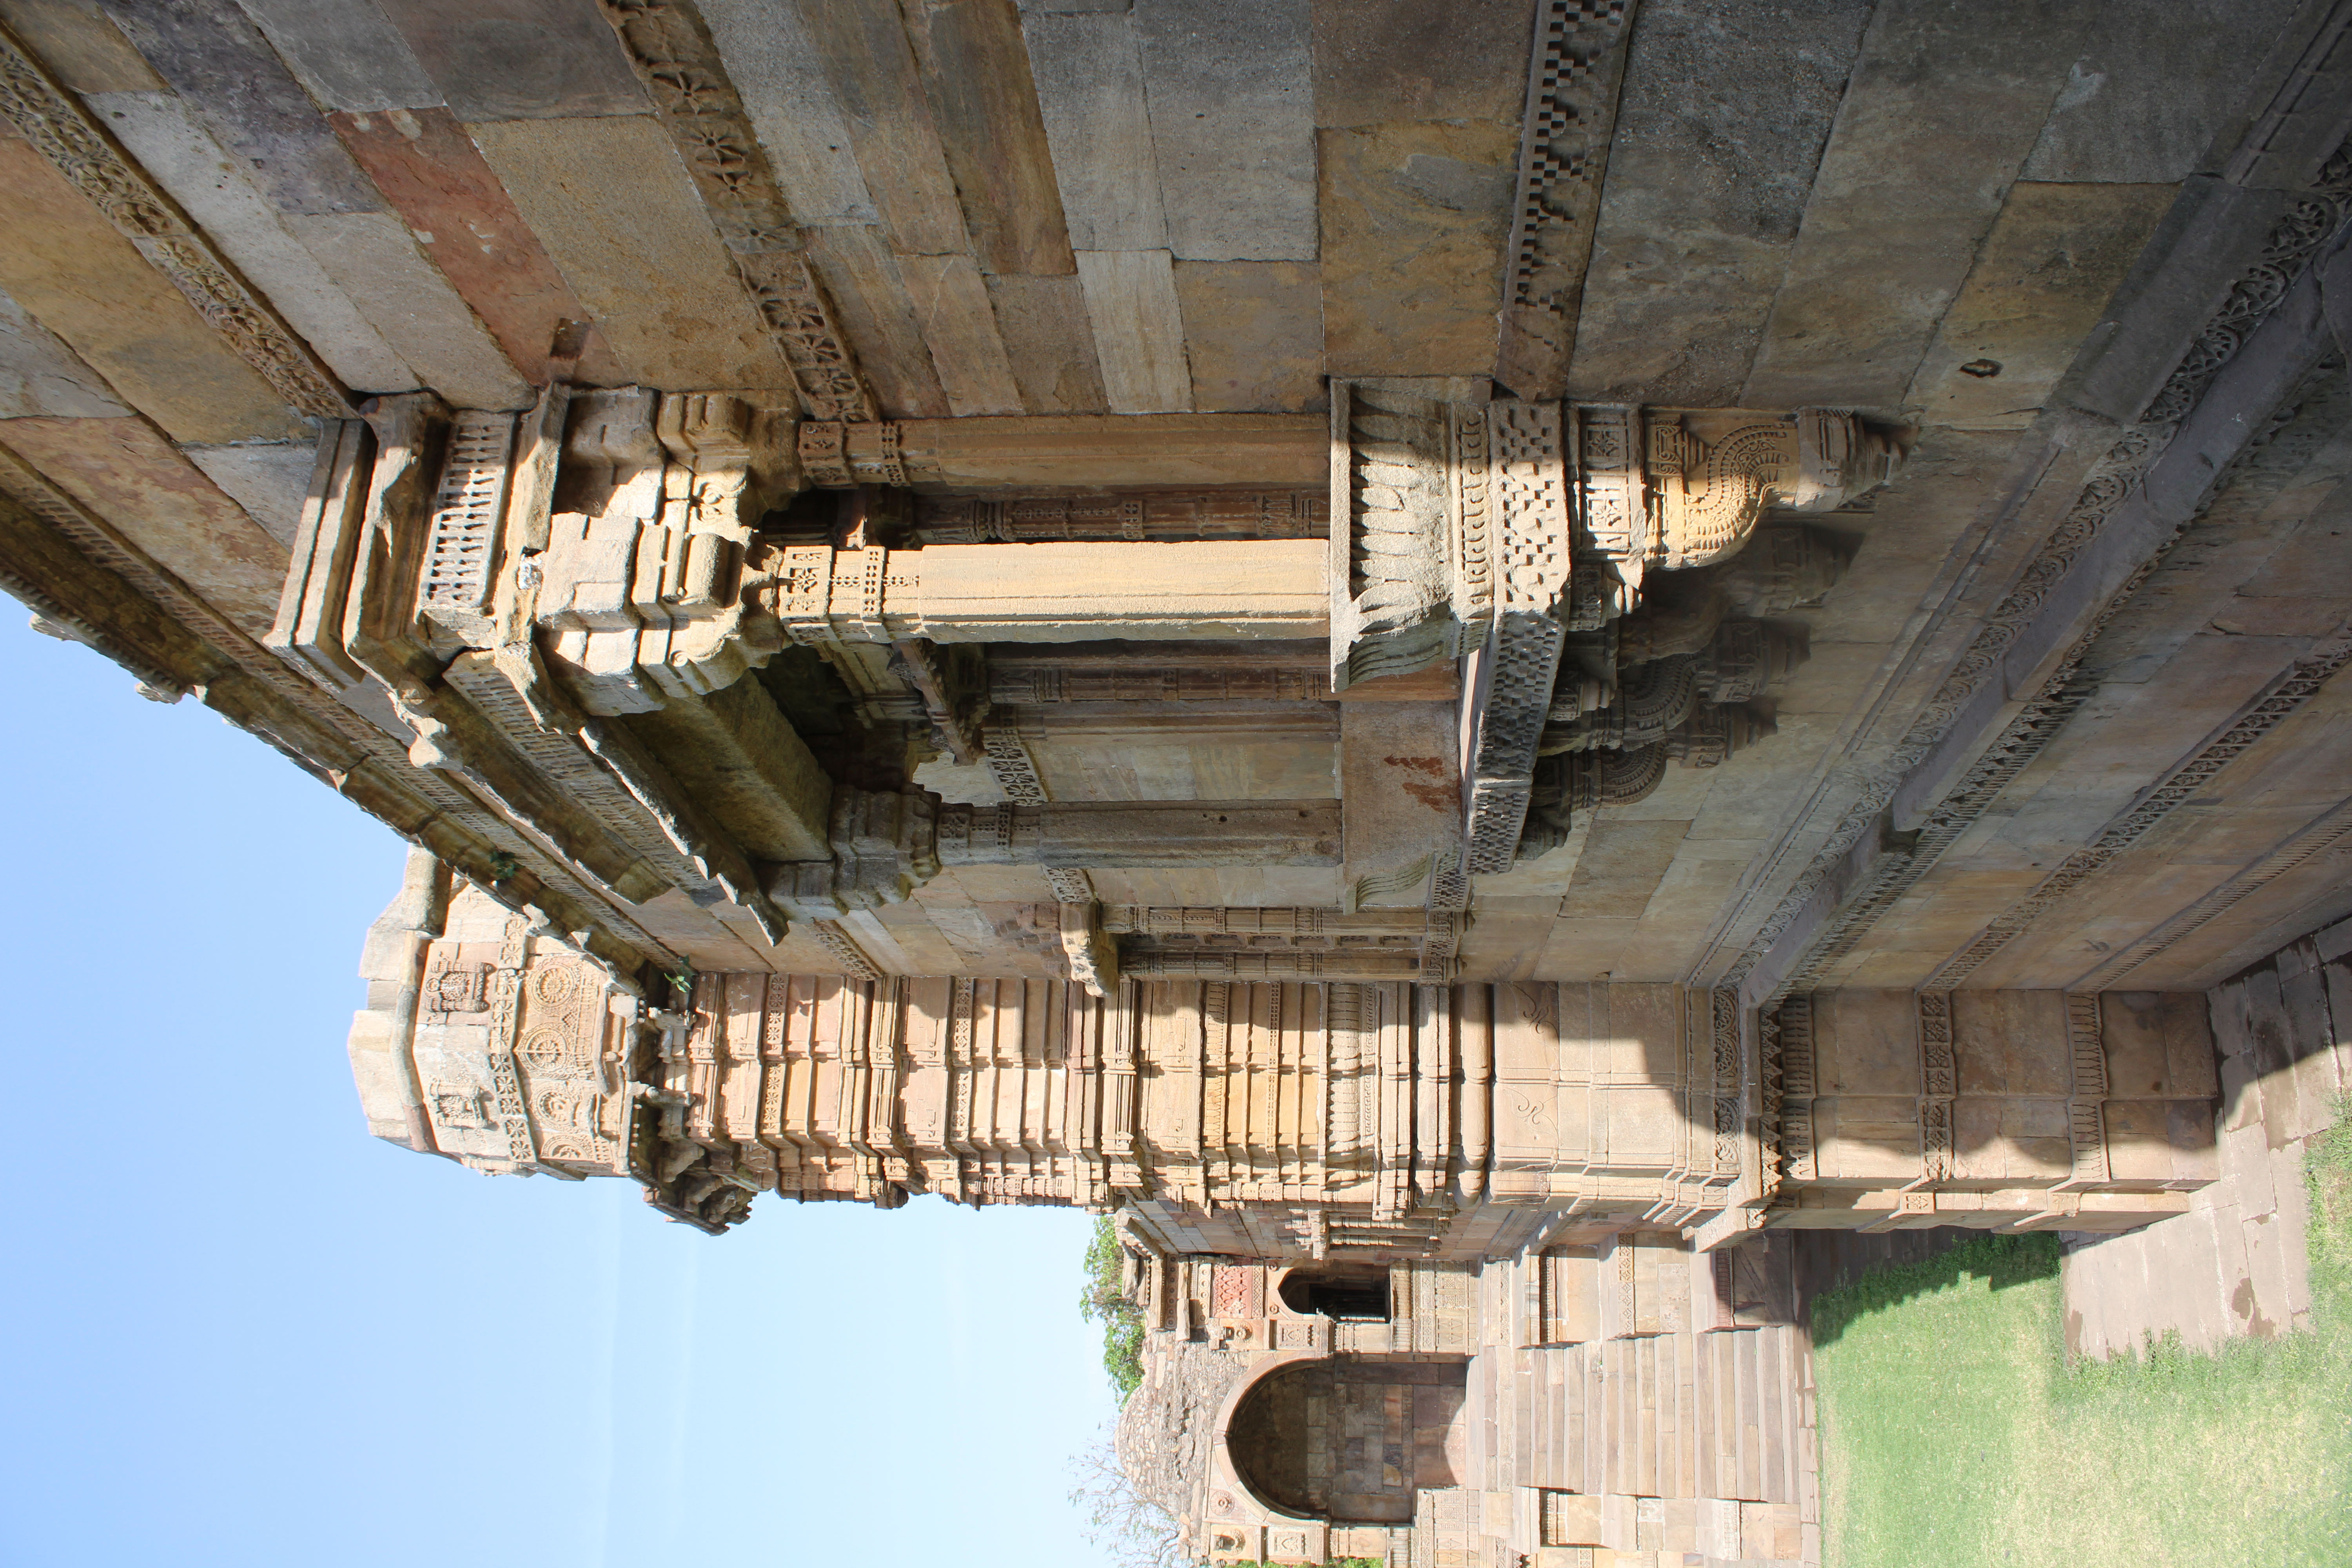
{"x":1351,"y":1292}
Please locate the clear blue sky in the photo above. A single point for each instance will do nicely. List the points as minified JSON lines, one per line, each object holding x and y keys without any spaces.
{"x":238,"y":1331}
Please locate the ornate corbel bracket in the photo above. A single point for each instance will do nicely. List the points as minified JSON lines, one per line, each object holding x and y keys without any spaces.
{"x":647,"y":585}
{"x":1093,"y":956}
{"x":1508,"y":688}
{"x":841,"y":455}
{"x":885,"y":845}
{"x":1713,"y":474}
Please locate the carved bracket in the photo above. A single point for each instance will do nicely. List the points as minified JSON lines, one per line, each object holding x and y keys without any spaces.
{"x":643,"y":587}
{"x":885,"y":845}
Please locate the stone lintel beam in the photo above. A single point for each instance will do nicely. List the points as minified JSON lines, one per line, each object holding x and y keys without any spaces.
{"x":1152,"y":961}
{"x":1267,"y":654}
{"x":1142,"y":834}
{"x":1124,"y":514}
{"x":1287,"y":924}
{"x":1052,"y":592}
{"x":1082,"y":451}
{"x":1039,"y":683}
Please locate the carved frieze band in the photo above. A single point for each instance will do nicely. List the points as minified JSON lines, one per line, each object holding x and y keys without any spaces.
{"x":1723,"y":1024}
{"x":2285,"y":695}
{"x":55,"y":122}
{"x":671,"y":50}
{"x":2292,"y":243}
{"x":506,"y":1004}
{"x":1797,"y":1088}
{"x":2085,"y":1115}
{"x":1571,"y":111}
{"x":1939,"y":1085}
{"x":2111,"y":483}
{"x":1515,"y":681}
{"x":830,"y":936}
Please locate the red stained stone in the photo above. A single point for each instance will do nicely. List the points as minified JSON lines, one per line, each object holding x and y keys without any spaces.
{"x":435,"y":176}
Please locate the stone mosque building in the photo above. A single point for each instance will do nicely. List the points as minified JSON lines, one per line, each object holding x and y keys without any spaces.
{"x":1486,"y":662}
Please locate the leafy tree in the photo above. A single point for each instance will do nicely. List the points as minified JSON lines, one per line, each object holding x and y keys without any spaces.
{"x":1104,"y":1300}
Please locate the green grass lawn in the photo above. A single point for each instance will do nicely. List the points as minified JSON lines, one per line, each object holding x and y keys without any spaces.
{"x":1954,"y":1433}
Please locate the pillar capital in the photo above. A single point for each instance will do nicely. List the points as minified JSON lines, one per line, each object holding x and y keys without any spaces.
{"x":1493,"y":530}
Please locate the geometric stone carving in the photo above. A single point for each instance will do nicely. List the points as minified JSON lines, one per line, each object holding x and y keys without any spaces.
{"x":1511,"y":676}
{"x":640,"y":580}
{"x":1391,"y":547}
{"x":455,"y":587}
{"x":1571,"y":109}
{"x":673,"y":55}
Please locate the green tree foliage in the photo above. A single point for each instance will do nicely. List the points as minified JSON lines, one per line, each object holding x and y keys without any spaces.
{"x":1105,"y":1300}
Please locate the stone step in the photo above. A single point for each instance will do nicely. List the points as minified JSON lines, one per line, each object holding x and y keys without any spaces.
{"x":1669,"y":1416}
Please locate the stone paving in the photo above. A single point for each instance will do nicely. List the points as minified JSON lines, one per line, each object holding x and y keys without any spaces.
{"x":2235,"y":1264}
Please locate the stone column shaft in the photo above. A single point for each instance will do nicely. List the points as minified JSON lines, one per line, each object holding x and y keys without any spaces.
{"x":1053,"y":592}
{"x":1140,"y":834}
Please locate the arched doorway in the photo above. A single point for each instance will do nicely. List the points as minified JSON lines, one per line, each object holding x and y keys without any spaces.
{"x":1350,"y":1438}
{"x":1351,"y":1292}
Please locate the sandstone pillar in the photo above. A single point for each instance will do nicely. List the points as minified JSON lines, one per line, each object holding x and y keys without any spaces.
{"x":1052,"y":592}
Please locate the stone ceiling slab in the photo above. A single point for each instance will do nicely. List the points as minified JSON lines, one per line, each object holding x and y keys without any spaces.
{"x":40,"y":375}
{"x":82,"y":281}
{"x":2040,"y":284}
{"x":1724,"y":110}
{"x":617,"y":214}
{"x":518,"y":59}
{"x":1414,"y":221}
{"x":1937,"y":119}
{"x":1231,"y":91}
